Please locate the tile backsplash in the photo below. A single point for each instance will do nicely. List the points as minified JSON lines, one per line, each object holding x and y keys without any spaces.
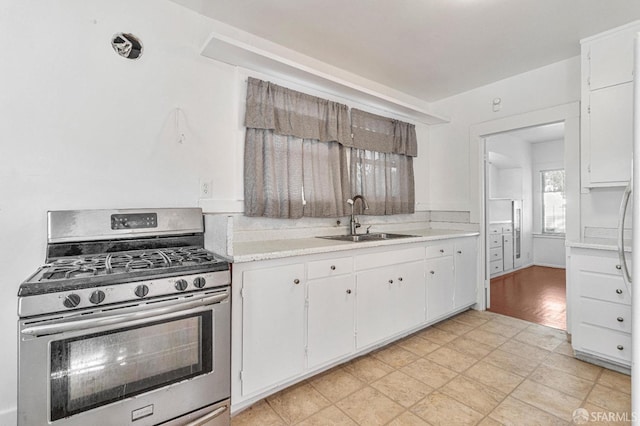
{"x":222,"y":230}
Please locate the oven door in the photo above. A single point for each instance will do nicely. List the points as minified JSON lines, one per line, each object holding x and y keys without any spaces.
{"x":140,"y":365}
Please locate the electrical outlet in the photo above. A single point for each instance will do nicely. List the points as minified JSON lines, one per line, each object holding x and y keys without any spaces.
{"x":205,"y":188}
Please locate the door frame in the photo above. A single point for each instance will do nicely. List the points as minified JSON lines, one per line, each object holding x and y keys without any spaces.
{"x":567,"y":113}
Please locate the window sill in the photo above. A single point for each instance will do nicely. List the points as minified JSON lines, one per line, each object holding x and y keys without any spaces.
{"x":550,"y":236}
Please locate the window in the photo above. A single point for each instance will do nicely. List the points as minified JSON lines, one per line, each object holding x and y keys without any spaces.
{"x":553,"y":201}
{"x":295,"y":157}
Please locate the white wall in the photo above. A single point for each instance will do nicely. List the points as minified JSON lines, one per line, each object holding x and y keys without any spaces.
{"x":84,"y":128}
{"x":549,"y":251}
{"x":453,"y":162}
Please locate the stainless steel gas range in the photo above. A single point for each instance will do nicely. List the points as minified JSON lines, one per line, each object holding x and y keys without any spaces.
{"x":127,"y":323}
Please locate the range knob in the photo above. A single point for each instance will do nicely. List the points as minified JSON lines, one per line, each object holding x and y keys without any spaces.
{"x":97,"y":297}
{"x":71,"y":301}
{"x":181,"y":285}
{"x":199,"y":282}
{"x":141,"y":290}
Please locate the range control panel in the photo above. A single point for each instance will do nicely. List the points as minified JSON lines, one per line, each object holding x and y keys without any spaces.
{"x":134,"y":221}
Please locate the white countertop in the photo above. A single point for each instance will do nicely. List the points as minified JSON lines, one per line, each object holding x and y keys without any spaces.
{"x":274,"y":249}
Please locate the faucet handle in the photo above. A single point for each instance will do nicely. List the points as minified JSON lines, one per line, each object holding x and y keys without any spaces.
{"x":368,"y":227}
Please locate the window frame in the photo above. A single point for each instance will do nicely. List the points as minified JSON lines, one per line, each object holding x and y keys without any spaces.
{"x":542,"y":201}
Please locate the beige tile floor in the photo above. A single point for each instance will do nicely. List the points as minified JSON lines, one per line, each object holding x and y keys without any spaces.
{"x":475,"y":368}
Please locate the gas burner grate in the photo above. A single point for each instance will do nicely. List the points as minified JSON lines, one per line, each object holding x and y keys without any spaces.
{"x":125,"y":262}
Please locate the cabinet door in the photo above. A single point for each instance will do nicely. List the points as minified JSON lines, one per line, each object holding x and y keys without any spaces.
{"x":272,"y":326}
{"x":610,"y":135}
{"x":409,"y":300}
{"x":507,"y":251}
{"x":611,"y":60}
{"x":440,"y":287}
{"x":374,"y":305}
{"x":331,"y":319}
{"x":466,"y":272}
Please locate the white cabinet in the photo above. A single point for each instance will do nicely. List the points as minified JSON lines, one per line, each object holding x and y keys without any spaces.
{"x":500,"y":248}
{"x":507,"y":251}
{"x":374,"y":317}
{"x":295,"y":316}
{"x":273,"y":327}
{"x":440,"y":280}
{"x":409,"y":302}
{"x":390,"y":299}
{"x":607,"y":106}
{"x":609,"y":59}
{"x":331,"y":318}
{"x":601,"y":307}
{"x":610,"y":134}
{"x":465,"y":262}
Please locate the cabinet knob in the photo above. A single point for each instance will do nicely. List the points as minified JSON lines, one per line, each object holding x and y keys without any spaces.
{"x":432,"y":272}
{"x":296,"y":281}
{"x":399,"y":278}
{"x":348,"y":291}
{"x":618,"y":267}
{"x":390,"y":281}
{"x":618,"y":290}
{"x":620,"y":319}
{"x":459,"y":251}
{"x":441,"y":250}
{"x":333,"y":267}
{"x":620,"y":347}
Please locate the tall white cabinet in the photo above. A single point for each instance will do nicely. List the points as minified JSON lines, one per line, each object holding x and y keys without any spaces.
{"x":607,"y":89}
{"x":295,"y":316}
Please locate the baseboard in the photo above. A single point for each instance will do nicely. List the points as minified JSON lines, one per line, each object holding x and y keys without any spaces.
{"x":549,"y":265}
{"x":9,"y":417}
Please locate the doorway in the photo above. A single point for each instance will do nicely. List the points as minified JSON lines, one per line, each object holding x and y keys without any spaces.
{"x":526,"y":203}
{"x":523,"y":175}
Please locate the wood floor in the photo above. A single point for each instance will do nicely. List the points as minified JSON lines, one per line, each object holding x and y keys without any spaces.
{"x":536,"y":294}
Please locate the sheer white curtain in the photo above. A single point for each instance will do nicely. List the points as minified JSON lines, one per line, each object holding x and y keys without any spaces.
{"x":381,"y":163}
{"x":294,"y":162}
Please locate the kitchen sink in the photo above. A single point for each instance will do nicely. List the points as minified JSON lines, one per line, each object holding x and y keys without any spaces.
{"x":367,"y":237}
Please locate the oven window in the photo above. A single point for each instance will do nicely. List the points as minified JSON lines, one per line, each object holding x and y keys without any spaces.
{"x":96,"y":369}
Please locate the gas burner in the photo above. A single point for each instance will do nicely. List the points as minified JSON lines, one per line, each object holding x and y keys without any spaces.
{"x":126,"y":262}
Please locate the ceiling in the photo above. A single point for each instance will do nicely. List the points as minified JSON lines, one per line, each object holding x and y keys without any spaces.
{"x":430,"y":49}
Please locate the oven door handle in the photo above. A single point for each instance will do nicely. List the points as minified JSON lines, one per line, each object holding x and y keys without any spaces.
{"x":205,"y":419}
{"x":134,"y":318}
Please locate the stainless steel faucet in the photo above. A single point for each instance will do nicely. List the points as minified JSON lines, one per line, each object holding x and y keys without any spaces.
{"x":353,"y":221}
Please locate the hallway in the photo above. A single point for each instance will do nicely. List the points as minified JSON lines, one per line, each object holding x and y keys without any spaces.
{"x":536,"y":294}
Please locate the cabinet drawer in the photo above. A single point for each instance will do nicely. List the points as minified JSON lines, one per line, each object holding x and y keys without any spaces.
{"x":599,"y":278}
{"x":495,"y":254}
{"x":507,"y":240}
{"x":507,"y":229}
{"x":391,"y":257}
{"x":439,"y":250}
{"x":329,"y":267}
{"x":495,"y":241}
{"x":608,"y":343}
{"x":601,"y":286}
{"x":495,"y":229}
{"x":495,"y":267}
{"x":606,"y":314}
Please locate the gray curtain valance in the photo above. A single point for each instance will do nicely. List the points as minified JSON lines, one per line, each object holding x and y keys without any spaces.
{"x":373,"y":132}
{"x":291,"y":113}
